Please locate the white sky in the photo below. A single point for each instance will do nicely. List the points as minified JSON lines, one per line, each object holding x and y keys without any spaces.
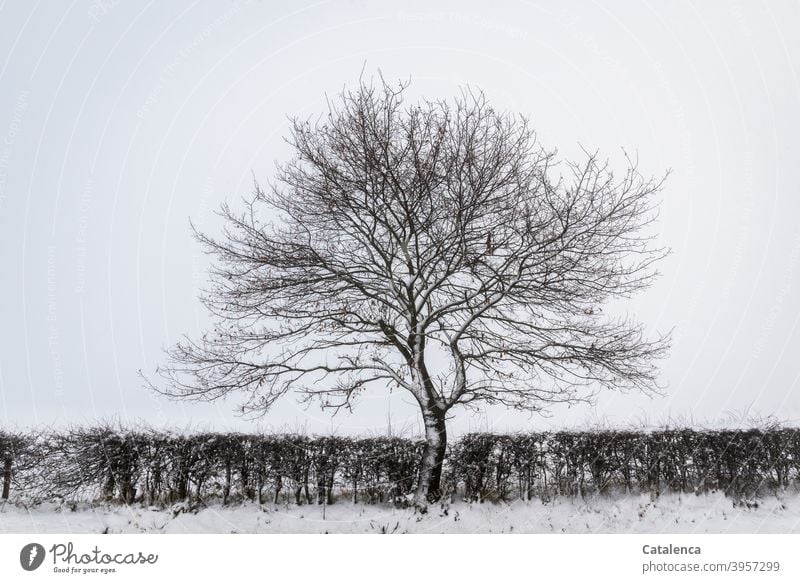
{"x":120,"y":120}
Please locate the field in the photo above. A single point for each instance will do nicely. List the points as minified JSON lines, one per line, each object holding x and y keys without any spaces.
{"x":668,"y":513}
{"x":123,"y":480}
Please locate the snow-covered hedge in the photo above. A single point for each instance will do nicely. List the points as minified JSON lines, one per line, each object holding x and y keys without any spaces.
{"x":154,"y":467}
{"x":737,"y":462}
{"x":113,"y":463}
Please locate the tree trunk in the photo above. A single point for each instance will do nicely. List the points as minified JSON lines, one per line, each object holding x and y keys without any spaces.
{"x":6,"y":477}
{"x":278,"y":488}
{"x":430,"y":472}
{"x":226,"y":491}
{"x":110,"y":485}
{"x":183,"y":487}
{"x":330,"y":486}
{"x":306,"y":487}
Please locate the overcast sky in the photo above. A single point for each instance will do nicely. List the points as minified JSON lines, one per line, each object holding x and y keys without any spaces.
{"x":121,"y":120}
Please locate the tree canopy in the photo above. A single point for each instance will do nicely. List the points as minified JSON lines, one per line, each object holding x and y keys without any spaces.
{"x":436,"y":248}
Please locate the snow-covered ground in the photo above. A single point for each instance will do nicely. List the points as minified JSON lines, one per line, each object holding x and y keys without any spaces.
{"x":708,"y":513}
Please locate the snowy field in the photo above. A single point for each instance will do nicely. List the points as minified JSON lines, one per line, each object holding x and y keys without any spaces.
{"x":708,"y":513}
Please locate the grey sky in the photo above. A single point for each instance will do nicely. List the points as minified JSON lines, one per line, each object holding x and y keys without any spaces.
{"x":120,"y":120}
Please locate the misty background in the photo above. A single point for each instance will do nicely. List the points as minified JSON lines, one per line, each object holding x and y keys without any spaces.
{"x":121,"y":120}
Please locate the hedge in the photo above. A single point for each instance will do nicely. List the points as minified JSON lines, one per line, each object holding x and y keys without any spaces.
{"x":142,"y":465}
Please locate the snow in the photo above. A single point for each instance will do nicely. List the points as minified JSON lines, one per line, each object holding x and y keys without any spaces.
{"x":707,"y":513}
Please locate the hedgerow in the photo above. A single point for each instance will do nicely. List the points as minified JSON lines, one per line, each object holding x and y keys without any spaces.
{"x":113,"y":463}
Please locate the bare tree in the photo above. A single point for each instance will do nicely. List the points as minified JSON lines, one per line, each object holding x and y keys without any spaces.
{"x":431,"y":248}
